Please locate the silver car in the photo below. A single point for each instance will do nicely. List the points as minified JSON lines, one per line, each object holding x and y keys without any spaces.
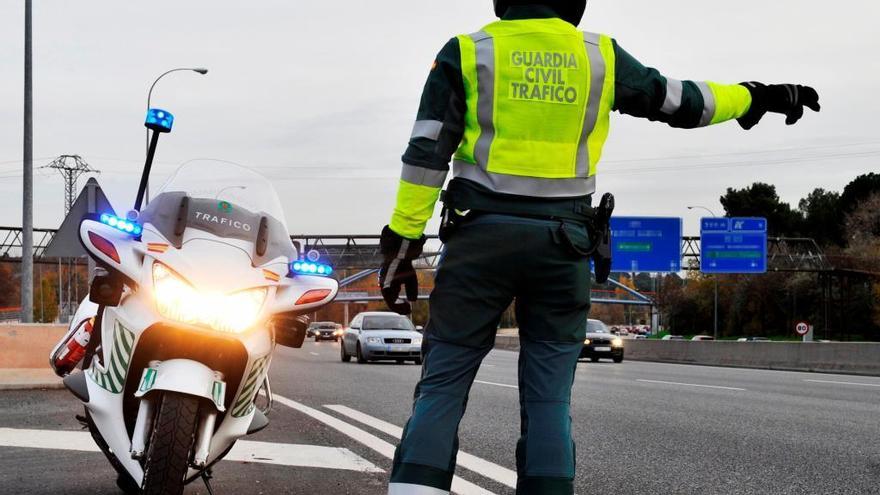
{"x":375,"y":336}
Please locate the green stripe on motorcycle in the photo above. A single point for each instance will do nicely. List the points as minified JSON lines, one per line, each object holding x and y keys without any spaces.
{"x":124,"y":338}
{"x":114,"y":375}
{"x":120,"y":377}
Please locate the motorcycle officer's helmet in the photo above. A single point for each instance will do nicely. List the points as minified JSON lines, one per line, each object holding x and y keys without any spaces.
{"x":569,"y":10}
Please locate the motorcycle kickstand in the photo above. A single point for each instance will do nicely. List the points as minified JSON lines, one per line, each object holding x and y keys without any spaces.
{"x":206,"y":477}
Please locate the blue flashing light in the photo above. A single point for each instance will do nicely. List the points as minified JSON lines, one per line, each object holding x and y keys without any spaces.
{"x":308,"y":268}
{"x":159,"y":120}
{"x":121,"y":224}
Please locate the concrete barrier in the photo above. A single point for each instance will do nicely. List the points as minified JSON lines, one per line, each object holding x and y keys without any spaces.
{"x":28,"y":346}
{"x":830,"y":357}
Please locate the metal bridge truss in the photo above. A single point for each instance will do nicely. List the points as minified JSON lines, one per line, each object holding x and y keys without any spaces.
{"x":619,"y":293}
{"x":360,"y":253}
{"x":784,"y":254}
{"x":10,"y":242}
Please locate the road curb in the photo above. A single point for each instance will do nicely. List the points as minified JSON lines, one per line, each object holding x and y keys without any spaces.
{"x":29,"y":379}
{"x":31,"y":386}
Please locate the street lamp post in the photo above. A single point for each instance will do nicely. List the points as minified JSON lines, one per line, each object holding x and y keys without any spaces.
{"x":27,"y":220}
{"x":714,"y":278}
{"x":200,"y":70}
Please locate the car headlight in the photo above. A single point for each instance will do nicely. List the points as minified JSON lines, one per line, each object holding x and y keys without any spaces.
{"x":337,"y":332}
{"x":374,"y":340}
{"x":586,"y":341}
{"x":417,"y":341}
{"x":617,"y":342}
{"x":177,"y":300}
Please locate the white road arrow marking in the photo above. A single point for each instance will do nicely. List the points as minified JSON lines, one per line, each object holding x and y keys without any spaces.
{"x":459,"y":485}
{"x":282,"y":454}
{"x":480,"y":466}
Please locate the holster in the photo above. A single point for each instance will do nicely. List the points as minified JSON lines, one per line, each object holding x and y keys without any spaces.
{"x":601,"y":255}
{"x":450,"y":221}
{"x":599,"y":228}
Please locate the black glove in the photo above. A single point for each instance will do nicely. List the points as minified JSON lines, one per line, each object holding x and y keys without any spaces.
{"x":397,"y":270}
{"x":787,"y":99}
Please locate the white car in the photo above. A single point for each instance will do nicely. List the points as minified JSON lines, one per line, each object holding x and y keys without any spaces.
{"x":375,"y":336}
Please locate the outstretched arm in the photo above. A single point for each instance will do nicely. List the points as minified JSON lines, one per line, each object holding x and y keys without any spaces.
{"x":643,"y":92}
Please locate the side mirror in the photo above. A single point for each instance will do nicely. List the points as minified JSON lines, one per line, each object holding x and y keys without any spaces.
{"x":290,"y":330}
{"x":420,"y":328}
{"x":106,"y":288}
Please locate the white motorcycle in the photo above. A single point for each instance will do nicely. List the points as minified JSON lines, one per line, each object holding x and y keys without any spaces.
{"x":191,"y":296}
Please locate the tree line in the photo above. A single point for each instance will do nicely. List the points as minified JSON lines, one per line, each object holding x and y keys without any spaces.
{"x":842,"y":305}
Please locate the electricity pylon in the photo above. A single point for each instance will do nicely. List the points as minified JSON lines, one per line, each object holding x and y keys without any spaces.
{"x":70,"y":167}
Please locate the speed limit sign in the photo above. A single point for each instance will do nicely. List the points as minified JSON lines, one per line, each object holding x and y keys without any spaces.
{"x":802,"y":328}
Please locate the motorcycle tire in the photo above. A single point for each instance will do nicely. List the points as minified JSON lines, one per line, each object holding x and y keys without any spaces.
{"x":171,"y":445}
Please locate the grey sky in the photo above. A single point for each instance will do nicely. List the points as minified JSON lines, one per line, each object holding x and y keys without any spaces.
{"x":321,"y":96}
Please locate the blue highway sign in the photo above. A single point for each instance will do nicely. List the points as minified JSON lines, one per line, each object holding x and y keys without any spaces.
{"x":733,"y":245}
{"x":646,"y":244}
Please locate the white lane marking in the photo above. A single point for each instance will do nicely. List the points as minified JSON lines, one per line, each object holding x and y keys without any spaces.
{"x":496,"y":384}
{"x":384,"y":448}
{"x":45,"y":439}
{"x":282,"y":454}
{"x":314,"y":354}
{"x":845,"y":383}
{"x":480,"y":466}
{"x":691,"y":385}
{"x":285,"y":454}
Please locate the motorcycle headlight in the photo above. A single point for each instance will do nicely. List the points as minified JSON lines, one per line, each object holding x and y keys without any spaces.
{"x":177,"y":300}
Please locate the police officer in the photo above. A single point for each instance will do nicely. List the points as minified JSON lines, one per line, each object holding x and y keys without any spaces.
{"x":522,"y":109}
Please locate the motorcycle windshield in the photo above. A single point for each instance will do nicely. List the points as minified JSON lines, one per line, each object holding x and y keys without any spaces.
{"x":226,"y":200}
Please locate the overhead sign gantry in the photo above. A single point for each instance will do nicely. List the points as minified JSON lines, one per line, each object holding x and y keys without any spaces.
{"x":646,"y":244}
{"x":733,"y":245}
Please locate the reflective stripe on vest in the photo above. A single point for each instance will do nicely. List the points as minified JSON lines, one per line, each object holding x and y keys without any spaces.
{"x":538,"y":95}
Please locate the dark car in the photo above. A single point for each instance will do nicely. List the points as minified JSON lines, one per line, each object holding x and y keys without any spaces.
{"x":325,"y":330}
{"x":601,"y":343}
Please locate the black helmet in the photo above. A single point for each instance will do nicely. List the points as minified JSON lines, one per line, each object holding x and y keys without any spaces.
{"x":569,"y":10}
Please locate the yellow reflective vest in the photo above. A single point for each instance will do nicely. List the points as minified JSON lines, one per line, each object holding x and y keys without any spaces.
{"x":539,"y":94}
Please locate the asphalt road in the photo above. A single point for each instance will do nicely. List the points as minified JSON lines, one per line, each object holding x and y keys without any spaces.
{"x":641,"y":428}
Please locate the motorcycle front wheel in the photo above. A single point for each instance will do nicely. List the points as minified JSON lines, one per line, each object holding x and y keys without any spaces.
{"x":171,"y":444}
